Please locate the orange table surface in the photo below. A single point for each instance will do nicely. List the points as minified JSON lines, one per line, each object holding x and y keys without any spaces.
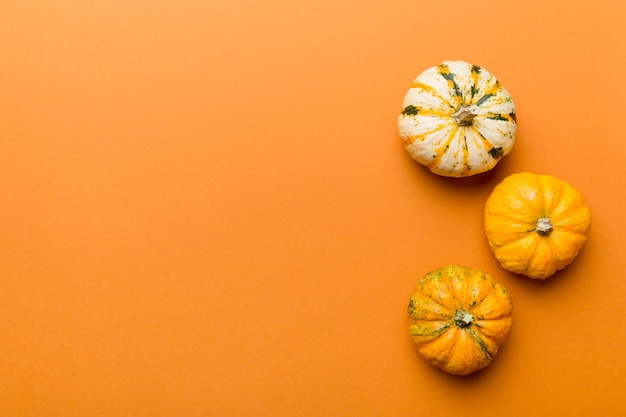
{"x":207,"y":209}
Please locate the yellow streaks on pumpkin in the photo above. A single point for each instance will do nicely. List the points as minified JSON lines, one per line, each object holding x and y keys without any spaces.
{"x":457,"y":142}
{"x":422,"y":136}
{"x":445,"y":147}
{"x":475,"y":80}
{"x":449,"y":77}
{"x":483,"y":141}
{"x":430,"y":90}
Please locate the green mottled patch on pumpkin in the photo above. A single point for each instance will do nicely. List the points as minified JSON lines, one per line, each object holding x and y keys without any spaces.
{"x":411,"y":309}
{"x":483,"y":99}
{"x":481,"y":344}
{"x":419,"y":331}
{"x":410,"y":110}
{"x":496,"y":153}
{"x":450,"y":77}
{"x":498,"y":117}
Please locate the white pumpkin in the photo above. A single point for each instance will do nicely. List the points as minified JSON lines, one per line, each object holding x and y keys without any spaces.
{"x":457,"y":119}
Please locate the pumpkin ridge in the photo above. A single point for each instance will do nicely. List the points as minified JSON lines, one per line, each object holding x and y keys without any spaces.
{"x":502,"y":204}
{"x":480,"y":91}
{"x":466,"y":154}
{"x":486,"y":144}
{"x":575,"y":205}
{"x":489,"y":93}
{"x":484,"y":296}
{"x":492,"y":309}
{"x":432,"y":112}
{"x":538,"y":266}
{"x":517,"y":247}
{"x":449,"y":288}
{"x":547,"y":200}
{"x":450,"y":350}
{"x":442,"y":149}
{"x":439,"y":302}
{"x":566,"y":247}
{"x":562,"y":233}
{"x":466,"y":356}
{"x":497,"y":132}
{"x":502,"y":117}
{"x":429,"y":333}
{"x":474,"y":75}
{"x":471,"y":300}
{"x":422,"y":135}
{"x":449,"y":76}
{"x":424,"y":340}
{"x":481,"y":320}
{"x":456,"y":285}
{"x":479,"y":339}
{"x":573,"y":217}
{"x":484,"y":98}
{"x":426,"y":308}
{"x":432,"y":91}
{"x":434,"y":285}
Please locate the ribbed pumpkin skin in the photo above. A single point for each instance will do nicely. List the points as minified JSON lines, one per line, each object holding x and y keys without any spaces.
{"x":513,"y":226}
{"x":430,"y":127}
{"x":459,"y":317}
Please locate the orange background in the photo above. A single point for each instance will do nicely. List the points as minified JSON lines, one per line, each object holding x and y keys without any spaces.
{"x":207,"y":210}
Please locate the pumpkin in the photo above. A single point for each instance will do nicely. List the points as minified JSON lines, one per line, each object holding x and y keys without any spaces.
{"x":459,"y":318}
{"x":457,"y":119}
{"x":536,"y":224}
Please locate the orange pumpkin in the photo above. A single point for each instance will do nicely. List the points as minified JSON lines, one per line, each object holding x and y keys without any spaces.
{"x":536,"y":224}
{"x":459,"y":318}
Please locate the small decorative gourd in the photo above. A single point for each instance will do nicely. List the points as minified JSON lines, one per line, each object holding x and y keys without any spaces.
{"x":457,"y":119}
{"x":459,"y":317}
{"x":536,"y":224}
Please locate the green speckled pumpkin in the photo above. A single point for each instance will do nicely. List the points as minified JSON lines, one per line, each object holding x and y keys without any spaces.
{"x":459,"y":317}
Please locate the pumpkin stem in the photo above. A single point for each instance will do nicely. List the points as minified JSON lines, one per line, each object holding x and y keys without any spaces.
{"x":544,"y":226}
{"x":463,"y":319}
{"x":464,"y":116}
